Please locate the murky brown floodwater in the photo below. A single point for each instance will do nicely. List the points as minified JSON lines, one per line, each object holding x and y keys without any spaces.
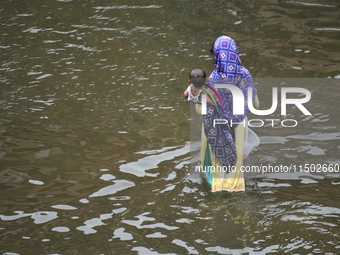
{"x":95,"y":135}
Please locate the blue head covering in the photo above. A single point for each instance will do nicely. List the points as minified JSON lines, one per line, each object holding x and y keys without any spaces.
{"x":228,"y":70}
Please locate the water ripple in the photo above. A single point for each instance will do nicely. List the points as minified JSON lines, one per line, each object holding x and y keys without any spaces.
{"x":114,"y":188}
{"x":39,"y":217}
{"x":125,"y":7}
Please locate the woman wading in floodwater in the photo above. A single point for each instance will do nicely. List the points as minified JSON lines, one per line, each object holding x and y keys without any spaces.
{"x":222,"y":145}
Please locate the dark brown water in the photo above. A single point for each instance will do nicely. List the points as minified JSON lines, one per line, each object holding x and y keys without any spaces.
{"x":95,"y":135}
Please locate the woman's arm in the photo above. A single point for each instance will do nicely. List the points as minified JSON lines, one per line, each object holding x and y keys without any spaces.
{"x":256,"y":102}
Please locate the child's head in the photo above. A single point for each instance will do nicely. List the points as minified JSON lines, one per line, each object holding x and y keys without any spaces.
{"x":197,"y":77}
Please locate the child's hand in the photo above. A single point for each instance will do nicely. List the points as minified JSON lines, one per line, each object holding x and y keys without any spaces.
{"x":186,"y":93}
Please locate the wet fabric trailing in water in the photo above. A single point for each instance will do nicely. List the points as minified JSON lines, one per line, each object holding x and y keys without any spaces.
{"x":228,"y":70}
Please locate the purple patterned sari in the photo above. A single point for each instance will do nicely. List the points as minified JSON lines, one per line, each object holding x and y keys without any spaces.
{"x":228,"y":70}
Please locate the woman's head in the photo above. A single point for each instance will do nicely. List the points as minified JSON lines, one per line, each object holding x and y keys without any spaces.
{"x":225,"y":51}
